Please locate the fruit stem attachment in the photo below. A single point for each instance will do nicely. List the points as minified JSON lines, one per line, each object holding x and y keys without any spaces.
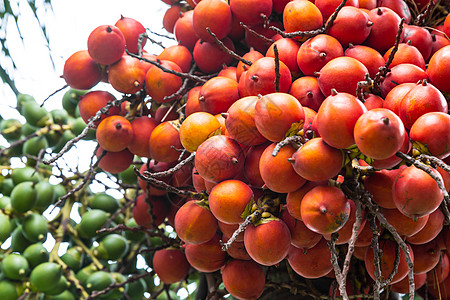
{"x":291,"y":139}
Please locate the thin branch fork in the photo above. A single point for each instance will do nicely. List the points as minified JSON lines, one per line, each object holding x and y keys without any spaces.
{"x":311,"y":33}
{"x":171,"y":171}
{"x":227,"y":50}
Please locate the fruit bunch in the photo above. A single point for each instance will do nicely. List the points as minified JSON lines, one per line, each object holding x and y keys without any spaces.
{"x":279,"y":148}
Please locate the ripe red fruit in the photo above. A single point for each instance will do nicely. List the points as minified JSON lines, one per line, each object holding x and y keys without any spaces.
{"x":114,"y":133}
{"x":287,"y":52}
{"x":277,"y":172}
{"x":194,"y":223}
{"x":206,"y":257}
{"x":162,"y":141}
{"x":184,"y":30}
{"x":402,"y":73}
{"x":218,"y":94}
{"x":229,"y":199}
{"x":420,"y":38}
{"x":251,"y":12}
{"x":325,"y":209}
{"x":81,"y":71}
{"x":115,"y":162}
{"x":379,"y":133}
{"x":106,"y":44}
{"x":301,"y":236}
{"x":215,"y":14}
{"x":336,"y":119}
{"x":416,"y":193}
{"x":92,"y":102}
{"x":306,"y":90}
{"x":150,"y":212}
{"x":160,"y":84}
{"x":281,"y":109}
{"x":369,"y":57}
{"x":312,"y":263}
{"x":127,"y":75}
{"x":316,"y":52}
{"x":131,"y":30}
{"x":387,"y":260}
{"x":327,"y":7}
{"x":406,"y":54}
{"x":437,"y":70}
{"x":178,"y":54}
{"x":352,"y":25}
{"x":243,"y":279}
{"x":268,"y":242}
{"x":301,"y":15}
{"x":142,"y":129}
{"x":210,"y":58}
{"x":170,"y":265}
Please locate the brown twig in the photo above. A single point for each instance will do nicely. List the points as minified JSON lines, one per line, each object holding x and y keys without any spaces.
{"x":337,"y":269}
{"x":171,"y":171}
{"x":54,"y":93}
{"x":277,"y":68}
{"x":291,"y":139}
{"x":436,"y":161}
{"x":256,"y":34}
{"x":241,"y":228}
{"x":382,"y":71}
{"x":228,"y":50}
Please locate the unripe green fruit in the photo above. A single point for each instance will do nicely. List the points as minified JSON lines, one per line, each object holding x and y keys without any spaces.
{"x":35,"y":114}
{"x":11,"y":129}
{"x":23,"y":197}
{"x":45,"y":277}
{"x":35,"y":227}
{"x":73,"y":258}
{"x":59,"y":116}
{"x":34,"y":145}
{"x":85,"y":272}
{"x":18,"y":241}
{"x":5,"y":203}
{"x":19,"y":175}
{"x":70,"y":100}
{"x":91,"y":221}
{"x":104,"y":202}
{"x":66,"y":295}
{"x":5,"y":227}
{"x":112,"y":247}
{"x":10,"y":290}
{"x":28,"y":129}
{"x":7,"y":186}
{"x":60,"y":287}
{"x":22,"y":99}
{"x":36,"y":254}
{"x":99,"y":281}
{"x":58,"y":191}
{"x":15,"y":266}
{"x":128,"y":176}
{"x":137,"y":289}
{"x":45,"y":195}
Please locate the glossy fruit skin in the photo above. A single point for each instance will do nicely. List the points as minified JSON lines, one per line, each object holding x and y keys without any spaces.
{"x":437,"y":143}
{"x":436,"y":70}
{"x":35,"y":227}
{"x":336,"y":119}
{"x":431,"y":229}
{"x":404,"y":225}
{"x":317,"y":161}
{"x":92,"y":102}
{"x":159,"y":84}
{"x":384,"y":29}
{"x":380,"y":184}
{"x":229,"y":199}
{"x":402,"y":73}
{"x":195,"y":224}
{"x":206,"y":257}
{"x":370,"y":57}
{"x":184,"y":30}
{"x":240,"y":122}
{"x":406,"y":54}
{"x":91,"y":221}
{"x":287,"y":53}
{"x":197,"y":128}
{"x":306,"y":90}
{"x":301,"y":236}
{"x":387,"y":260}
{"x":325,"y":209}
{"x":219,"y":158}
{"x":131,"y":29}
{"x":106,"y":44}
{"x":171,"y":16}
{"x":81,"y":71}
{"x":310,"y":17}
{"x":142,"y":128}
{"x":277,"y":108}
{"x":170,"y":265}
{"x":210,"y":58}
{"x":23,"y":197}
{"x":250,"y":12}
{"x":277,"y":172}
{"x":421,"y":99}
{"x":420,"y":38}
{"x":426,"y":256}
{"x":243,"y":279}
{"x":267,"y":243}
{"x":379,"y":133}
{"x":352,"y":25}
{"x":260,"y":78}
{"x":15,"y":266}
{"x":330,"y":76}
{"x":98,"y":281}
{"x":218,"y":94}
{"x":127,"y":75}
{"x":45,"y":276}
{"x":113,"y":247}
{"x":162,"y":140}
{"x":415,"y":193}
{"x":394,"y":97}
{"x":215,"y":14}
{"x":178,"y":54}
{"x":312,"y":263}
{"x":114,"y":133}
{"x":115,"y":162}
